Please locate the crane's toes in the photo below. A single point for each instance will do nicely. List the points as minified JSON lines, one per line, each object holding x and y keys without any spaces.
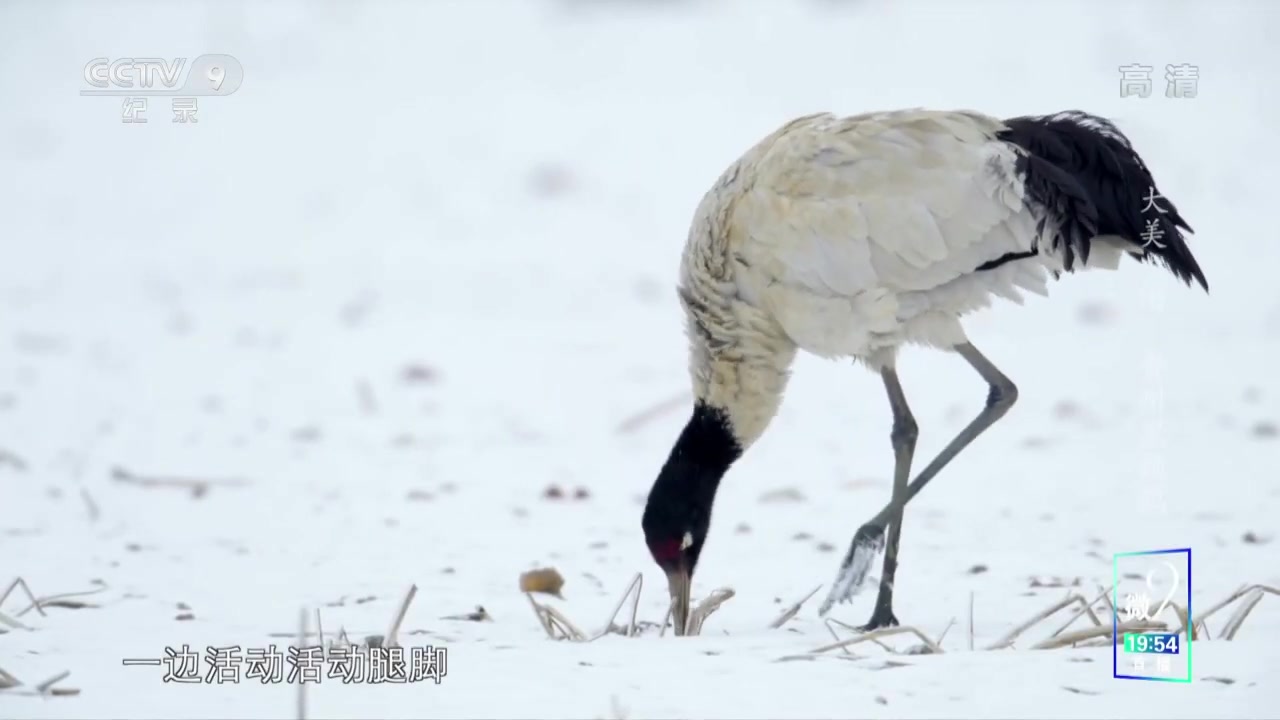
{"x":881,"y":617}
{"x":867,"y":543}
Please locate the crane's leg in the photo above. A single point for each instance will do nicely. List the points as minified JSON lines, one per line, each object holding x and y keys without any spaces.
{"x":869,"y":539}
{"x":903,"y":437}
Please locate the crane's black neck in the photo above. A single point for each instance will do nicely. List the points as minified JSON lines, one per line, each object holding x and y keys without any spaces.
{"x":681,"y":498}
{"x":707,"y":443}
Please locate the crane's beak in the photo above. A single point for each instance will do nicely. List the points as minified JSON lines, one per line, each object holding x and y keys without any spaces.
{"x":678,"y":584}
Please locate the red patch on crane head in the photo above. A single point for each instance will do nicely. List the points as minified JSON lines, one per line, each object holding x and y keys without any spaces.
{"x":666,"y":551}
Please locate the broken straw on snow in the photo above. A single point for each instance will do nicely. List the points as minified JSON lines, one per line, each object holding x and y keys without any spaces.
{"x":7,"y":680}
{"x":1099,"y":634}
{"x":559,"y":627}
{"x":197,"y":486}
{"x":302,"y":686}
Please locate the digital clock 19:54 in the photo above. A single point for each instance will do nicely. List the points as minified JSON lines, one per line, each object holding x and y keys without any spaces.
{"x":1160,"y":643}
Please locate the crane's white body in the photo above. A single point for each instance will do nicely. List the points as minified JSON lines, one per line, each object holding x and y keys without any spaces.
{"x":851,"y":237}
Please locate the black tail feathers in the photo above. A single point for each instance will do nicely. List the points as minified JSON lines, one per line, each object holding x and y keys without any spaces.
{"x":1090,"y":181}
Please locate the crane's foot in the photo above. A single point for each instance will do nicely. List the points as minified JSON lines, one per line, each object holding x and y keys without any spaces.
{"x":867,"y":544}
{"x":881,"y":617}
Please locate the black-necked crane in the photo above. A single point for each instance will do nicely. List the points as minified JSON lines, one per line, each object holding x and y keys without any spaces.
{"x":851,"y":237}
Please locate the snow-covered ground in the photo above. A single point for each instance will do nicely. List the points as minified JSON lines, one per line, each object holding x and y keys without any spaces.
{"x":419,"y":268}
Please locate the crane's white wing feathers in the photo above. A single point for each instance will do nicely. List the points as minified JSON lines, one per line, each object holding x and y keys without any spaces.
{"x":852,"y":205}
{"x":875,"y":220}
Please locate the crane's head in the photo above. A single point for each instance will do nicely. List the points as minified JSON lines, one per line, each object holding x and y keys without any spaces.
{"x":677,"y":515}
{"x":674,"y":530}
